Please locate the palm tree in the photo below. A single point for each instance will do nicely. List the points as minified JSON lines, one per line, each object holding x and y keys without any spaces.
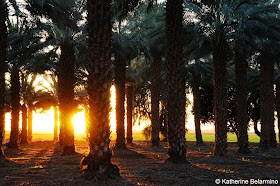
{"x":66,"y":79}
{"x":265,"y":36}
{"x":253,"y":99}
{"x":129,"y":111}
{"x":3,"y":59}
{"x":64,"y":35}
{"x":119,"y":44}
{"x":119,"y":69}
{"x":215,"y":30}
{"x":28,"y":98}
{"x":31,"y":99}
{"x":23,"y":135}
{"x":154,"y":41}
{"x":15,"y":104}
{"x":268,"y":136}
{"x":155,"y":98}
{"x":149,"y":32}
{"x":196,"y":81}
{"x":99,"y":32}
{"x":243,"y":24}
{"x":199,"y":74}
{"x":241,"y":66}
{"x":23,"y":43}
{"x":220,"y":93}
{"x":124,"y":50}
{"x":247,"y":28}
{"x":175,"y":76}
{"x":53,"y":84}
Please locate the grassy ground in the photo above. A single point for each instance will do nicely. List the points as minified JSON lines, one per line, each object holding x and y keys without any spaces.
{"x":210,"y":137}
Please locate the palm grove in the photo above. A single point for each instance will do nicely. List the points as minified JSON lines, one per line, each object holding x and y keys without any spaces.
{"x":224,"y":51}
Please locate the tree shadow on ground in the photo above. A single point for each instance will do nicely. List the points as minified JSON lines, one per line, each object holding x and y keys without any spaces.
{"x":127,"y":153}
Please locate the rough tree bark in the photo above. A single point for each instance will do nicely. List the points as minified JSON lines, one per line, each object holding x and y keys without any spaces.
{"x":23,"y":139}
{"x":15,"y":104}
{"x":119,"y":67}
{"x":220,"y":92}
{"x":175,"y":76}
{"x":155,"y":98}
{"x":241,"y":66}
{"x":129,"y":112}
{"x":66,"y":80}
{"x":268,"y":136}
{"x":99,"y":29}
{"x":3,"y":59}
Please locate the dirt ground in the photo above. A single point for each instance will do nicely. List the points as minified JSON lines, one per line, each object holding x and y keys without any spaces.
{"x":41,"y":163}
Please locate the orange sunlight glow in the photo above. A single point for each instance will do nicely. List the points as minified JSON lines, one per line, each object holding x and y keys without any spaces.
{"x":43,"y":122}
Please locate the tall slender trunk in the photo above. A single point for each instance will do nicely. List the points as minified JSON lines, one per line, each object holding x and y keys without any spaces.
{"x":120,"y":100}
{"x":220,"y":93}
{"x":66,"y":96}
{"x":277,"y":102}
{"x":61,"y":127}
{"x":196,"y":79}
{"x":61,"y":116}
{"x":3,"y":58}
{"x":129,"y":110}
{"x":55,"y":129}
{"x":155,"y":98}
{"x":99,"y":30}
{"x":268,"y":136}
{"x":241,"y":67}
{"x":175,"y":76}
{"x":30,"y":122}
{"x":15,"y":99}
{"x":23,"y":139}
{"x":256,"y":130}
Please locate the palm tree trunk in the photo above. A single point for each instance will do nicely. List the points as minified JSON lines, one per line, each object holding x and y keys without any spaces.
{"x":196,"y":78}
{"x":220,"y":93}
{"x":30,"y":122}
{"x":55,"y":130}
{"x":66,"y":96}
{"x":277,"y":102}
{"x":60,"y":108}
{"x":241,"y":67}
{"x":268,"y":136}
{"x":15,"y":104}
{"x":257,"y":132}
{"x":120,"y":100}
{"x":3,"y":58}
{"x":61,"y":126}
{"x":155,"y":98}
{"x":129,"y":108}
{"x":175,"y":76}
{"x":23,"y":139}
{"x":99,"y":30}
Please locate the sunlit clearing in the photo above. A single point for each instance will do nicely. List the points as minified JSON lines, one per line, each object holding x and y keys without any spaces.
{"x":79,"y":123}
